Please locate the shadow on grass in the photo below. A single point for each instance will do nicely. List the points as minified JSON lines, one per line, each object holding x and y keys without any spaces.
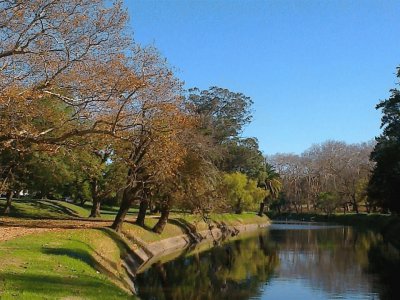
{"x":73,"y":253}
{"x":33,"y":208}
{"x":187,"y":228}
{"x":114,"y":213}
{"x":104,"y":265}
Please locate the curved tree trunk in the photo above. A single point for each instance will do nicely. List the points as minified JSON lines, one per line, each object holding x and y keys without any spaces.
{"x":159,"y":227}
{"x":127,"y":200}
{"x":9,"y":196}
{"x":144,"y":204}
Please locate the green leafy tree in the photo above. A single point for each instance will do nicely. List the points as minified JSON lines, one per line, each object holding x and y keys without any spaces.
{"x":270,"y":181}
{"x":50,"y":175}
{"x":328,"y":202}
{"x":242,"y":193}
{"x":243,"y":155}
{"x":384,"y":186}
{"x":222,"y":113}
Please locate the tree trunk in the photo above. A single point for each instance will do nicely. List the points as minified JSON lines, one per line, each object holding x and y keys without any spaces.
{"x":95,"y":212}
{"x":355,"y":205}
{"x":9,"y":196}
{"x":127,"y":200}
{"x":159,"y":227}
{"x":261,"y":211}
{"x":142,"y":212}
{"x":239,"y":207}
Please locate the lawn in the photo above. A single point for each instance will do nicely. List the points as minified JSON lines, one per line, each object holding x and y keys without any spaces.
{"x":81,"y":264}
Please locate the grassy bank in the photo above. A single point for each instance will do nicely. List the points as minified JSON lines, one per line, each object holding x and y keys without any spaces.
{"x":388,"y":225}
{"x":83,"y":264}
{"x":55,"y":263}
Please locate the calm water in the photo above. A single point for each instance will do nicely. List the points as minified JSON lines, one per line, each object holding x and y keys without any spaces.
{"x":282,"y":262}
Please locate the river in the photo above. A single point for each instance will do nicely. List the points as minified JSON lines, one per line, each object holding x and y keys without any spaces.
{"x":284,"y":261}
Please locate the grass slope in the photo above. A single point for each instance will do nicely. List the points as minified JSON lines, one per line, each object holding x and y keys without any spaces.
{"x":81,"y":264}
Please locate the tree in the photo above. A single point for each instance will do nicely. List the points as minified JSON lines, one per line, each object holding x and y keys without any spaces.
{"x":242,"y":155}
{"x":53,"y":51}
{"x":13,"y":170}
{"x":242,"y":193}
{"x":222,"y":113}
{"x":50,"y":174}
{"x":384,"y":186}
{"x":328,"y":202}
{"x":270,"y":181}
{"x":56,"y":59}
{"x":156,"y":150}
{"x":331,"y":167}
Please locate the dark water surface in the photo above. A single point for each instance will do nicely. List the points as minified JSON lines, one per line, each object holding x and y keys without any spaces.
{"x":285,"y":261}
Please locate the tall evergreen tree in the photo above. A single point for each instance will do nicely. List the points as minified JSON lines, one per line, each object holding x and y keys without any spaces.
{"x":384,"y":186}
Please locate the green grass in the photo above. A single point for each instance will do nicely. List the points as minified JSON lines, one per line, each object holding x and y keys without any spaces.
{"x":178,"y":224}
{"x":54,"y":265}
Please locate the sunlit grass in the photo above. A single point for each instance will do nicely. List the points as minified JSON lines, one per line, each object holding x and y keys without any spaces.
{"x":54,"y":265}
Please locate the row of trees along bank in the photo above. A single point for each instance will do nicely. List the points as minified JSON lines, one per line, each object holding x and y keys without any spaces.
{"x":335,"y":176}
{"x":87,"y":113}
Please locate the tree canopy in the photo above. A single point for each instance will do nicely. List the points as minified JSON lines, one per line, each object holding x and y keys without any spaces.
{"x":384,"y":186}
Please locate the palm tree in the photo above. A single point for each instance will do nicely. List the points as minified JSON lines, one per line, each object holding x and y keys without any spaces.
{"x":272,"y":183}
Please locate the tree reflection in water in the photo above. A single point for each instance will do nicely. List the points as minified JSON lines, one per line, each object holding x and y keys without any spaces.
{"x":233,"y":270}
{"x":331,"y":261}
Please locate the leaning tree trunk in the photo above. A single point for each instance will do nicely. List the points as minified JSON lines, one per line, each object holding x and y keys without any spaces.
{"x":9,"y":196}
{"x":127,"y":200}
{"x":142,"y":212}
{"x":159,"y":227}
{"x":261,"y":211}
{"x":95,"y":211}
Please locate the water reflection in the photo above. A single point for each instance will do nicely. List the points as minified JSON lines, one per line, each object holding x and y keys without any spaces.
{"x":284,"y":262}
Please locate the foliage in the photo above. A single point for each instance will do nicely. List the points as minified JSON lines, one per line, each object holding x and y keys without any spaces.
{"x":222,"y":113}
{"x":327,"y":202}
{"x":88,"y":114}
{"x":384,"y":187}
{"x":242,"y":193}
{"x":242,"y":155}
{"x":331,"y":168}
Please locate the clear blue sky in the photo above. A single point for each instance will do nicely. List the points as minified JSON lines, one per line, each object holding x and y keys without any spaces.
{"x":314,"y":69}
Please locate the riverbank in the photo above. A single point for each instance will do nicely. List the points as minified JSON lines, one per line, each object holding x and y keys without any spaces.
{"x":84,"y":259}
{"x":387,"y":225}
